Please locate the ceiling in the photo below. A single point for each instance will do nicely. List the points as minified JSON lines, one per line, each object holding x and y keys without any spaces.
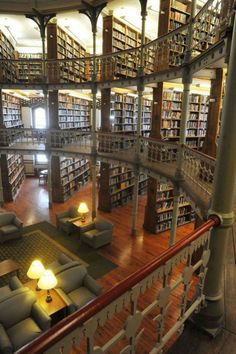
{"x":26,"y":37}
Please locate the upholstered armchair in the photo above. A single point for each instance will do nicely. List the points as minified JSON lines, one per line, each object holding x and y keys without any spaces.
{"x":10,"y":226}
{"x":14,"y":286}
{"x":65,"y":219}
{"x":21,"y":320}
{"x":62,"y":263}
{"x":97,"y":233}
{"x":77,"y":287}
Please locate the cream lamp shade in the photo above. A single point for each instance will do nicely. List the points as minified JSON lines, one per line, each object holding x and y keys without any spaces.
{"x":35,"y":270}
{"x":83,"y":210}
{"x":47,"y":281}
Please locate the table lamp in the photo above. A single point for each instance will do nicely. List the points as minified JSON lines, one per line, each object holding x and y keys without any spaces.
{"x":35,"y":270}
{"x":46,"y":282}
{"x":83,"y":210}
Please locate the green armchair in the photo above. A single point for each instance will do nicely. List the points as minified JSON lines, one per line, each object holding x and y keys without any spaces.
{"x":65,"y":219}
{"x":14,"y":286}
{"x":62,"y":263}
{"x":97,"y":233}
{"x":77,"y":287}
{"x":10,"y":226}
{"x":21,"y":320}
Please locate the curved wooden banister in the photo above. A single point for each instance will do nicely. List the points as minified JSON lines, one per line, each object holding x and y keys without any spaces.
{"x":60,"y":330}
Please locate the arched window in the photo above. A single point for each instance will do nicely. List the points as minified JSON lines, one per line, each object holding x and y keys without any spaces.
{"x":40,"y":121}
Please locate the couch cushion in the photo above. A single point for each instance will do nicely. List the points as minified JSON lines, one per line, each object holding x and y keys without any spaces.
{"x":6,"y":218}
{"x":9,"y":229}
{"x":11,"y":312}
{"x":4,"y":290}
{"x":91,"y":233}
{"x":81,"y":296}
{"x":23,"y":332}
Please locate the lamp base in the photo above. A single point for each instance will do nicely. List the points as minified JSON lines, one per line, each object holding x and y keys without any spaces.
{"x":48,"y":298}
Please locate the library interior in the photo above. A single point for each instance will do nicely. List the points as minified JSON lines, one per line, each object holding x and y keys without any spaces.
{"x":117,"y":176}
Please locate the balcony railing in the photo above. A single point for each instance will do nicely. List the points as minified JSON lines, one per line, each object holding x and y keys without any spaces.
{"x":157,"y":156}
{"x":164,"y":52}
{"x":118,"y":320}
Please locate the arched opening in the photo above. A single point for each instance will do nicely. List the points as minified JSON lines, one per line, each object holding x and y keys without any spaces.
{"x":39,"y":118}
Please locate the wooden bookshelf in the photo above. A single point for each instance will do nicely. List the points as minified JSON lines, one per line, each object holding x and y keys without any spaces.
{"x":74,"y":112}
{"x":12,"y":168}
{"x":118,"y":190}
{"x":29,"y":70}
{"x":68,"y":175}
{"x":173,"y":14}
{"x":63,"y":46}
{"x":124,"y":112}
{"x":118,"y":36}
{"x":164,"y":209}
{"x":8,"y":72}
{"x":197,"y":120}
{"x":11,"y":111}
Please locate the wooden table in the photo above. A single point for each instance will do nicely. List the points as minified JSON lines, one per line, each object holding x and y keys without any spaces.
{"x":8,"y":266}
{"x":78,"y":223}
{"x":56,"y":309}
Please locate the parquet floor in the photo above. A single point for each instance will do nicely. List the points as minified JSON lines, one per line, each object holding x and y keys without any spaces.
{"x":128,"y":252}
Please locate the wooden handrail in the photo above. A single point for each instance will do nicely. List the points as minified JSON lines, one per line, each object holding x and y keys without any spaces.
{"x":73,"y":321}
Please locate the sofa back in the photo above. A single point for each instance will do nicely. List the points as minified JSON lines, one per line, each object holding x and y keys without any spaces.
{"x":16,"y":307}
{"x":6,"y":218}
{"x":61,"y":268}
{"x":71,"y":278}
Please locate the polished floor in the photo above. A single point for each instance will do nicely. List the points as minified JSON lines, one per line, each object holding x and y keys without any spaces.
{"x":130,"y":253}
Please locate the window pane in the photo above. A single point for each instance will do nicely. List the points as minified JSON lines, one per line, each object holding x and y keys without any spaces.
{"x":40,"y":118}
{"x":41,"y":158}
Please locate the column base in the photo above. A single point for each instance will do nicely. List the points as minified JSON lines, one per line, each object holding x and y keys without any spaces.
{"x":210,"y":318}
{"x":133,"y":232}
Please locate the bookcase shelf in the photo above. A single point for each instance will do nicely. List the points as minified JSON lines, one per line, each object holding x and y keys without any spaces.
{"x":29,"y":70}
{"x":173,"y":14}
{"x":63,"y":46}
{"x":197,"y":119}
{"x":68,"y":175}
{"x":11,"y":110}
{"x":119,"y":36}
{"x":74,"y":112}
{"x":120,"y":191}
{"x":13,"y":174}
{"x":7,"y":51}
{"x":124,"y":112}
{"x":164,"y":209}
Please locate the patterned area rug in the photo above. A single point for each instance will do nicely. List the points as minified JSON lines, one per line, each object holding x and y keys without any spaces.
{"x":43,"y":241}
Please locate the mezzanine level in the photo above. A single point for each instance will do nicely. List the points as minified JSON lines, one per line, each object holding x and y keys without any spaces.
{"x":155,"y":158}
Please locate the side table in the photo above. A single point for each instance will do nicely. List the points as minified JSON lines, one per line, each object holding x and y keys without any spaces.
{"x":78,"y":223}
{"x":56,"y":309}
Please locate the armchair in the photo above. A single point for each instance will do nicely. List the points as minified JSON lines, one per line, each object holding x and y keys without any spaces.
{"x":21,"y":320}
{"x":10,"y":226}
{"x":64,"y":220}
{"x":97,"y":233}
{"x":62,"y":263}
{"x":77,"y":287}
{"x":13,"y":287}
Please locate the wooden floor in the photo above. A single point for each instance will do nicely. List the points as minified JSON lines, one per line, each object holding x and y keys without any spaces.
{"x":130,"y":253}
